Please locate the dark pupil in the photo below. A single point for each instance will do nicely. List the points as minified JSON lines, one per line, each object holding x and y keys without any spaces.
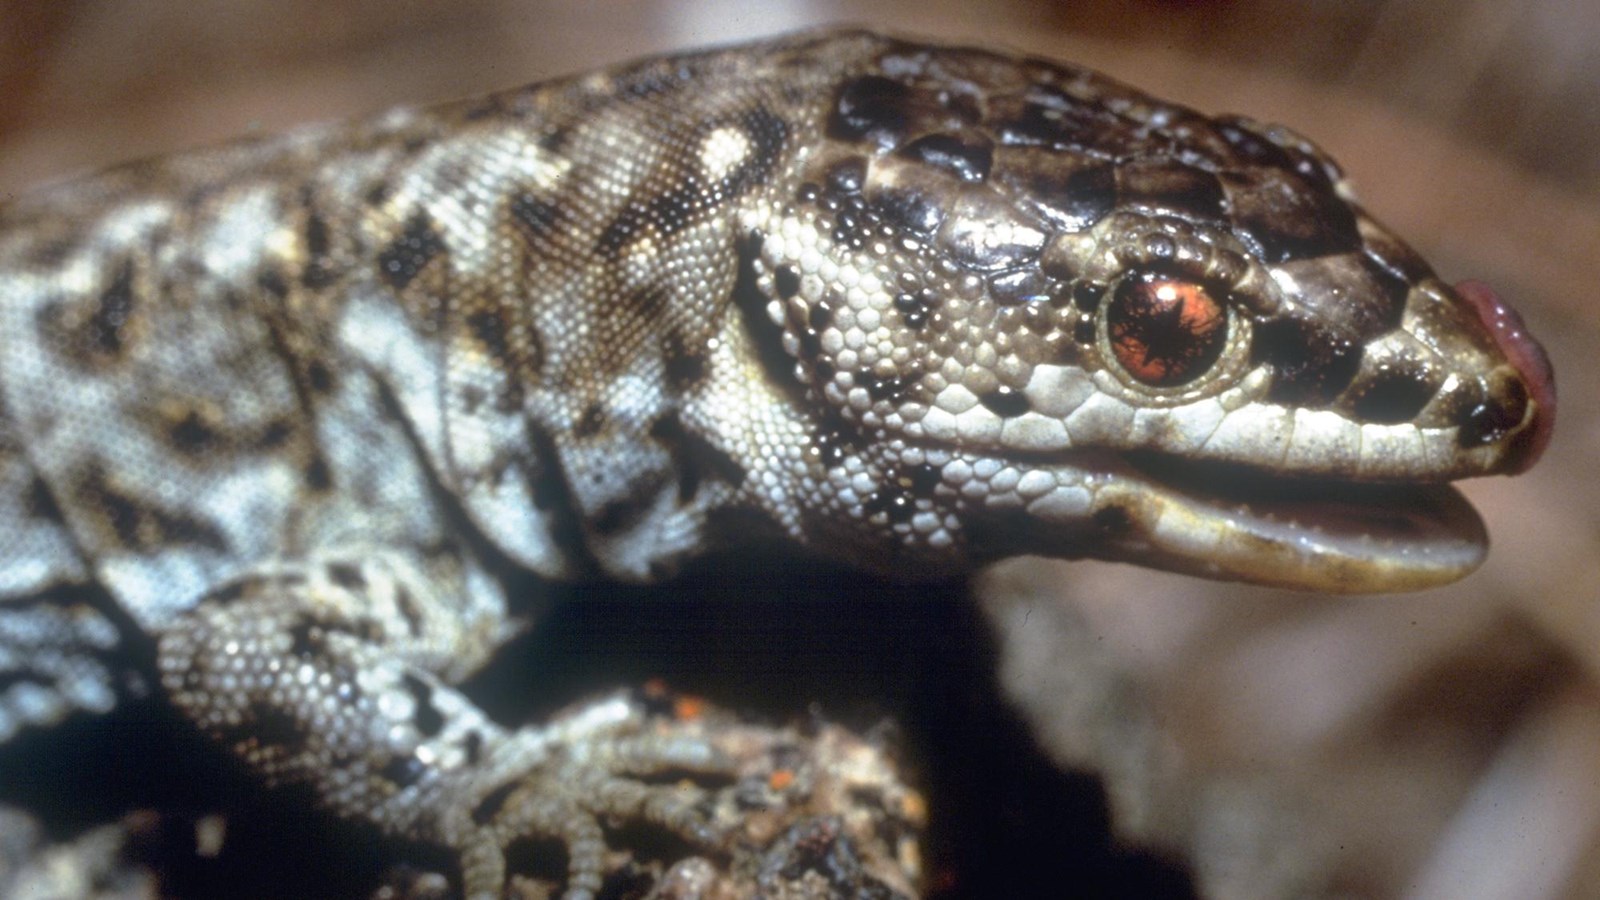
{"x":1165,"y":332}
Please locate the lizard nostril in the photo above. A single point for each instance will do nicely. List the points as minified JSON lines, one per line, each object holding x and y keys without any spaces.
{"x":1535,"y":382}
{"x":1489,"y":421}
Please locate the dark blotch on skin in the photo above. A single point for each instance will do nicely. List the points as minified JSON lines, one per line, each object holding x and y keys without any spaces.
{"x":1092,"y":192}
{"x":857,"y":223}
{"x":830,"y":445}
{"x":885,"y":388}
{"x":672,"y":211}
{"x":1086,"y":295}
{"x":1487,"y":422}
{"x":553,"y":497}
{"x":668,"y":213}
{"x":39,"y":503}
{"x":143,"y":527}
{"x":272,"y":727}
{"x":1112,"y":519}
{"x":695,"y":459}
{"x":317,"y":475}
{"x":967,"y":157}
{"x":787,"y":280}
{"x":846,"y":176}
{"x":114,"y":310}
{"x":766,"y":337}
{"x":1250,"y":145}
{"x":911,"y":208}
{"x":870,"y":107}
{"x":488,"y":327}
{"x":685,"y":366}
{"x":492,"y":803}
{"x":1393,"y":397}
{"x":1005,"y":401}
{"x":1311,"y":368}
{"x":924,"y":478}
{"x":192,"y":435}
{"x":318,"y":272}
{"x":1289,"y":217}
{"x":914,"y":307}
{"x":1169,"y":187}
{"x":1394,"y":286}
{"x":407,"y":605}
{"x":768,"y":133}
{"x":274,"y":435}
{"x":409,"y":254}
{"x":305,"y":638}
{"x":319,"y":377}
{"x":820,"y":316}
{"x":1053,"y":118}
{"x":347,"y":576}
{"x":534,"y":217}
{"x":896,"y":505}
{"x":650,"y":303}
{"x":403,"y":771}
{"x":426,"y":717}
{"x":272,"y":281}
{"x":590,"y":422}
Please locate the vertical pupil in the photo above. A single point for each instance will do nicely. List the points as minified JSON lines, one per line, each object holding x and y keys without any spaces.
{"x":1164,"y":331}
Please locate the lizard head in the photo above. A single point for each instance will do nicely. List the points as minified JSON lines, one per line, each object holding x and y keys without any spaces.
{"x":1077,"y":321}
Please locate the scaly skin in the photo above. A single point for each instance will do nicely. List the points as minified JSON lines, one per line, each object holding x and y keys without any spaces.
{"x":911,"y":308}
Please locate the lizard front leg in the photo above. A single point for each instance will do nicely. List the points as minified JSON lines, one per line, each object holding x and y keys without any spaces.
{"x":337,"y":674}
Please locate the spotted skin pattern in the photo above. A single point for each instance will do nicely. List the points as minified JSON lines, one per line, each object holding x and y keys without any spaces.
{"x":296,"y":404}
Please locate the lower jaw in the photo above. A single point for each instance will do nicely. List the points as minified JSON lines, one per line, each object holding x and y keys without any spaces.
{"x":1311,"y":534}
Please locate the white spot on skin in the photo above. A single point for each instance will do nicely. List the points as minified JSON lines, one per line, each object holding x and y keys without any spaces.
{"x":724,"y":150}
{"x":232,"y":246}
{"x":1285,"y":282}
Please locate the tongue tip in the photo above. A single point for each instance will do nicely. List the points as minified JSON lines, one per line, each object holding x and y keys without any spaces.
{"x":1532,"y":363}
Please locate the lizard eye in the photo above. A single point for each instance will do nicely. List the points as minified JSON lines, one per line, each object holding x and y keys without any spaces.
{"x":1165,"y":331}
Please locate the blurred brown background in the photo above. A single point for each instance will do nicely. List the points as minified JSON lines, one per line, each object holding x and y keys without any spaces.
{"x":1443,"y":745}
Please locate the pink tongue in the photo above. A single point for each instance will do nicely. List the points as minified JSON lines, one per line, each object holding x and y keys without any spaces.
{"x":1530,"y":361}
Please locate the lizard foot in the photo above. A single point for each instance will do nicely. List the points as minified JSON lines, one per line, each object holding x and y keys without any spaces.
{"x":762,"y":809}
{"x":606,"y":764}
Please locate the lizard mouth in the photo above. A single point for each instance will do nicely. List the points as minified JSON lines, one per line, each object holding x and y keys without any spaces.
{"x":1231,"y":522}
{"x":1317,"y":534}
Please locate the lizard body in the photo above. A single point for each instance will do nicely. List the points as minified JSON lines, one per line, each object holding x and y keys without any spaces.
{"x":298,"y":401}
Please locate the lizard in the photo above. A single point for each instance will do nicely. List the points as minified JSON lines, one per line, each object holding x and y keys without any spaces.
{"x":295,"y":407}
